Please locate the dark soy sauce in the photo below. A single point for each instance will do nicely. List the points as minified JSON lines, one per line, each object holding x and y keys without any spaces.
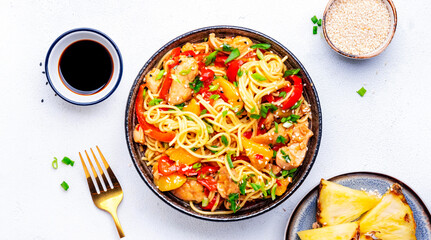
{"x":85,"y":66}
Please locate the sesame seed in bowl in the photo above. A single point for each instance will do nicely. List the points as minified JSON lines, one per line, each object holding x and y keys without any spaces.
{"x":359,"y":29}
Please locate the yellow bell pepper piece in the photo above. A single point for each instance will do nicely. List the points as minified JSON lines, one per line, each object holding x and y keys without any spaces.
{"x":170,"y":182}
{"x":182,"y":156}
{"x":231,"y":92}
{"x":252,"y":149}
{"x":193,"y":107}
{"x":281,"y":189}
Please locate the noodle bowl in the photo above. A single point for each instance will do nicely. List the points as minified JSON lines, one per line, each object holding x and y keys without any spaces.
{"x":217,"y":140}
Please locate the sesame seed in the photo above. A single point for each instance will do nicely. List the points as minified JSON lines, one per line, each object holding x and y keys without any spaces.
{"x":358,"y":27}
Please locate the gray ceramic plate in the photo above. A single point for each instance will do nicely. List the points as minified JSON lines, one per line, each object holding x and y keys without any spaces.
{"x":309,"y":93}
{"x":304,"y":215}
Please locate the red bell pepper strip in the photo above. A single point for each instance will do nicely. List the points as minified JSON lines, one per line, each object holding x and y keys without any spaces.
{"x":166,"y":85}
{"x":220,"y":60}
{"x":187,"y":170}
{"x":166,"y":166}
{"x":207,"y":76}
{"x":296,"y":94}
{"x":248,"y":134}
{"x":149,"y":129}
{"x":208,"y":169}
{"x":233,"y":68}
{"x":208,"y":182}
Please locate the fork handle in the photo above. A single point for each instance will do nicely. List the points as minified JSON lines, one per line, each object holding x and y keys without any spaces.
{"x":117,"y":224}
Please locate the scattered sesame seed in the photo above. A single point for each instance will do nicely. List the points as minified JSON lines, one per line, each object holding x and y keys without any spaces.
{"x":358,"y":27}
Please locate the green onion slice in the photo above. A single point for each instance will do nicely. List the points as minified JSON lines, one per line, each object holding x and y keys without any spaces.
{"x":205,"y":202}
{"x":259,"y":54}
{"x":160,"y":74}
{"x":258,"y":77}
{"x":234,"y":54}
{"x":361,"y":91}
{"x":55,"y":163}
{"x":314,"y":19}
{"x":263,"y":46}
{"x":68,"y":161}
{"x":314,"y":29}
{"x":64,"y":185}
{"x":273,"y":192}
{"x":229,"y":160}
{"x":224,"y":140}
{"x":291,"y":72}
{"x":212,"y":88}
{"x":211,"y":58}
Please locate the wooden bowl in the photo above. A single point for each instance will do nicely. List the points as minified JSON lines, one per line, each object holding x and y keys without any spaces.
{"x":393,"y":15}
{"x":309,"y":93}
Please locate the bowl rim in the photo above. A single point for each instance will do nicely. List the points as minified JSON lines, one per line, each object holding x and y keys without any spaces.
{"x":306,"y":171}
{"x":367,"y":55}
{"x":117,"y":51}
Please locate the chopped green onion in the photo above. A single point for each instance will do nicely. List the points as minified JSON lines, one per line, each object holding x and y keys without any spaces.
{"x":225,"y":77}
{"x":288,"y":173}
{"x":196,"y":85}
{"x":253,"y":110}
{"x":54,"y":163}
{"x":227,"y":47}
{"x":224,"y":113}
{"x":282,"y":94}
{"x":255,"y":186}
{"x":205,"y":202}
{"x":291,"y":72}
{"x":240,"y":72}
{"x":240,"y":112}
{"x":212,"y":88}
{"x":314,"y":29}
{"x":224,"y":140}
{"x":276,"y":127}
{"x":273,"y":192}
{"x":155,"y":101}
{"x":205,"y":39}
{"x":274,"y":153}
{"x":67,"y":161}
{"x":272,"y":174}
{"x":255,"y":116}
{"x":180,"y":106}
{"x":281,"y":139}
{"x":361,"y":91}
{"x":287,"y":124}
{"x":144,"y":93}
{"x":185,"y":72}
{"x":229,"y":160}
{"x":188,"y":118}
{"x":235,"y":84}
{"x":209,"y":128}
{"x":203,"y":112}
{"x":262,"y":187}
{"x":265,"y":108}
{"x":211,"y":58}
{"x":259,"y":54}
{"x":194,"y":149}
{"x":232,"y":200}
{"x":314,"y":19}
{"x":197,"y":165}
{"x":64,"y":185}
{"x":261,"y":46}
{"x":160,"y":74}
{"x":258,"y":77}
{"x":319,"y":23}
{"x":242,"y":185}
{"x":214,"y":96}
{"x":234,"y":54}
{"x":297,"y":104}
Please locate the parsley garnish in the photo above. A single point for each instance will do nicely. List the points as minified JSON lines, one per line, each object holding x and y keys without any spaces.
{"x":281,"y":139}
{"x":196,"y":85}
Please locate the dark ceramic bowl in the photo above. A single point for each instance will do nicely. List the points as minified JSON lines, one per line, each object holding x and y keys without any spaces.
{"x":310,"y":95}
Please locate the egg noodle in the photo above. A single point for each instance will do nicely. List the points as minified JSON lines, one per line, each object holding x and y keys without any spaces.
{"x":216,"y":136}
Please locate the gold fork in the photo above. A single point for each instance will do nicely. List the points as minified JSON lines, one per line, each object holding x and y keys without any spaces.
{"x":110,"y":198}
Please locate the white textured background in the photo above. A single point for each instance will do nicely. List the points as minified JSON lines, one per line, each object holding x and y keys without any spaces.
{"x":388,"y":130}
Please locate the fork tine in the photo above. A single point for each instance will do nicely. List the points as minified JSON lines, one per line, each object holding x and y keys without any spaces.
{"x":87,"y":175}
{"x":108,"y":169}
{"x":100,"y":170}
{"x":94,"y":173}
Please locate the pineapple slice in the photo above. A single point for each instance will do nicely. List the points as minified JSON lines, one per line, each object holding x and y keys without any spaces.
{"x":391,"y":219}
{"x":346,"y":231}
{"x":339,"y":204}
